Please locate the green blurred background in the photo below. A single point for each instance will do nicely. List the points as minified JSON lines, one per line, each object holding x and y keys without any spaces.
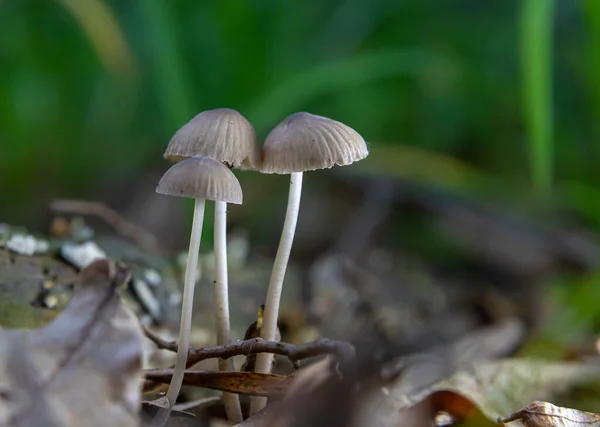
{"x":498,"y":100}
{"x":91,"y":90}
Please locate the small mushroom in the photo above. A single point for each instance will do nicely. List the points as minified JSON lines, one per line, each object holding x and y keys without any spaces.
{"x":225,"y":135}
{"x":222,"y":134}
{"x":202,"y":179}
{"x":302,"y":142}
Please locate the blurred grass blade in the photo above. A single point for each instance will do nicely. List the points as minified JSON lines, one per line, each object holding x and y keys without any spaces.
{"x":169,"y":78}
{"x":104,"y":33}
{"x":295,"y":92}
{"x":420,"y":165}
{"x":537,"y":18}
{"x":591,"y":13}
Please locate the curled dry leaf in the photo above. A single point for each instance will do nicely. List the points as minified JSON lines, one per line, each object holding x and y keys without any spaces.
{"x":82,"y":369}
{"x":544,"y":414}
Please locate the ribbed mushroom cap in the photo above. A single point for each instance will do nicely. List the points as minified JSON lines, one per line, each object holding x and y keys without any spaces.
{"x":304,"y":142}
{"x":222,"y":134}
{"x":201,"y":178}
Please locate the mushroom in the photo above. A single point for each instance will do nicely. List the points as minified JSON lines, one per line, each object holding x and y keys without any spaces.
{"x":302,"y":142}
{"x":222,"y":134}
{"x":225,"y":135}
{"x":200,"y":178}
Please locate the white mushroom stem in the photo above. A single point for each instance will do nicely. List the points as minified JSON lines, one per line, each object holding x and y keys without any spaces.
{"x":230,"y":400}
{"x":187,"y":303}
{"x":264,"y":361}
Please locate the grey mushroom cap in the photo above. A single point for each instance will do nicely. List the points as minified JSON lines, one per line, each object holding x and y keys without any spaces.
{"x":201,"y":178}
{"x":304,"y":142}
{"x":222,"y":134}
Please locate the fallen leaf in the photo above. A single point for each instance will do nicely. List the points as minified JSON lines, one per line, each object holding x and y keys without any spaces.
{"x":494,"y":387}
{"x":488,"y":343}
{"x":82,"y":369}
{"x":502,"y":387}
{"x":248,"y":383}
{"x":308,"y":379}
{"x":544,"y":414}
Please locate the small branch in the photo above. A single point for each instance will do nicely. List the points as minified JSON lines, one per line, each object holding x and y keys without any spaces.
{"x":110,"y":216}
{"x":343,"y":350}
{"x":158,"y":341}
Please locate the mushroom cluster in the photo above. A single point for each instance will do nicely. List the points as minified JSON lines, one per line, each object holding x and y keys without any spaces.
{"x":204,"y":150}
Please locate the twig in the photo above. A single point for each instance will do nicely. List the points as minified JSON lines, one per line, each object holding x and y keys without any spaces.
{"x":160,"y":343}
{"x":98,"y":209}
{"x":344,"y":351}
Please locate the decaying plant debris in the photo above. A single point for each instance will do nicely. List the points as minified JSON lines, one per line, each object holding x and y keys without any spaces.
{"x":84,"y":368}
{"x":90,"y":364}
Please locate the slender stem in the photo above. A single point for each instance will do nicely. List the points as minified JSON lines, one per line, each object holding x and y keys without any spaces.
{"x":269,"y":326}
{"x":187,"y":303}
{"x":230,"y":400}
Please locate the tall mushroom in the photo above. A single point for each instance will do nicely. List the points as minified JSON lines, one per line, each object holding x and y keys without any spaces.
{"x":225,"y":135}
{"x":200,"y":178}
{"x":302,"y":142}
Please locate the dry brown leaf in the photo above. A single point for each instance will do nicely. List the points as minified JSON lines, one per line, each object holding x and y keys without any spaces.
{"x":309,"y":378}
{"x":544,"y":414}
{"x":82,"y":369}
{"x":248,"y":383}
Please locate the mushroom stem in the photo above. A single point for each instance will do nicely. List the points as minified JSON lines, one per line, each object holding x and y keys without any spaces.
{"x":269,"y":327}
{"x":187,"y":303}
{"x":230,"y":400}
